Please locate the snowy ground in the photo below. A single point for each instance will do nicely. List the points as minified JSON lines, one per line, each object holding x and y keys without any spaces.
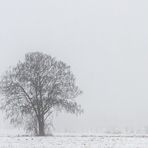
{"x":74,"y":142}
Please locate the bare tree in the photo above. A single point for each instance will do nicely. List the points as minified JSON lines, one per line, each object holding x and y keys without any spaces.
{"x":35,"y":88}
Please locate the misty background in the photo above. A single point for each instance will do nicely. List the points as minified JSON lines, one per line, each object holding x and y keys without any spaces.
{"x":104,"y":42}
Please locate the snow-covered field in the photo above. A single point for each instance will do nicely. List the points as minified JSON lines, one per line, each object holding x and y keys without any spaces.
{"x":74,"y":142}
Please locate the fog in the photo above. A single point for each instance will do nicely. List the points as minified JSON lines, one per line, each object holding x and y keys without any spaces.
{"x":104,"y":42}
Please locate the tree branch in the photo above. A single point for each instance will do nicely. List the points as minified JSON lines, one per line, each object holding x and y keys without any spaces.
{"x":28,"y":99}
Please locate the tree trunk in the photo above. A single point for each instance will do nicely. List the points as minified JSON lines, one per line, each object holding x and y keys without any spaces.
{"x":41,"y":126}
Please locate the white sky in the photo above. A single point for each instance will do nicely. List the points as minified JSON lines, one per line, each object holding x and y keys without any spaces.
{"x":106,"y":44}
